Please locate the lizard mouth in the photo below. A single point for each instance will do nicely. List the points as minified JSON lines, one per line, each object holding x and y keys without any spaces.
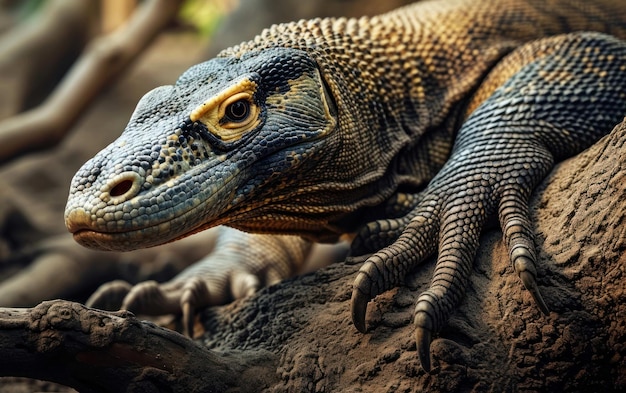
{"x":129,"y":240}
{"x":152,"y":225}
{"x":80,"y":225}
{"x":99,"y":240}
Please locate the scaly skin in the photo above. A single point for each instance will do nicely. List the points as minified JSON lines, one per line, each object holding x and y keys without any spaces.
{"x":328,"y":127}
{"x":565,"y":92}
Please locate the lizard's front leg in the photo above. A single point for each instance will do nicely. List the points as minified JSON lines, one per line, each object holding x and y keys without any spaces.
{"x":449,"y":219}
{"x":564,"y":94}
{"x":240,"y":265}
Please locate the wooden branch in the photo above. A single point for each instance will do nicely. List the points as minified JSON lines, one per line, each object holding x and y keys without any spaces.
{"x":84,"y":270}
{"x":115,"y":13}
{"x":103,"y":61}
{"x":98,"y":351}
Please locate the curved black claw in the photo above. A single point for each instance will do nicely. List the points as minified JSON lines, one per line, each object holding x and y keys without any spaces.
{"x":423,"y":337}
{"x":528,"y":279}
{"x":431,"y":312}
{"x":183,"y":295}
{"x":151,"y":298}
{"x":388,"y":267}
{"x":425,"y":322}
{"x":516,"y":227}
{"x":359,"y":309}
{"x":195,"y":294}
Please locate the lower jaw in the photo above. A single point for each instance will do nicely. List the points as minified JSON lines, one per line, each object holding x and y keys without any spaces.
{"x":110,"y":241}
{"x":129,"y":241}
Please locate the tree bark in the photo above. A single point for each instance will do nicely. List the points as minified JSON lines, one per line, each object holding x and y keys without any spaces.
{"x":98,"y":351}
{"x":104,"y":60}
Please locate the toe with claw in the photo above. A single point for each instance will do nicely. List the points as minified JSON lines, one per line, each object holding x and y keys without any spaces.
{"x":240,"y":264}
{"x":448,"y":221}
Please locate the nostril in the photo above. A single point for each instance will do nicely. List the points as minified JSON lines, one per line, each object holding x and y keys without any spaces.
{"x":121,"y":188}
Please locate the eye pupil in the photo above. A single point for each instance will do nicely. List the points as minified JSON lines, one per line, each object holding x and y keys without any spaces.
{"x":238,"y":110}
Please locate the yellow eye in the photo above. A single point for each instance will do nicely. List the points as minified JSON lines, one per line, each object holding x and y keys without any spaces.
{"x":238,"y":111}
{"x":230,"y":113}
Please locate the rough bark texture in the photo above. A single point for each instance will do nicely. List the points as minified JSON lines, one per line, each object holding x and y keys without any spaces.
{"x":297,"y":335}
{"x":97,"y":351}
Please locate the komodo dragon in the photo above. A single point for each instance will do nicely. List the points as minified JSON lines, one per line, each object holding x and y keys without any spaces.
{"x":407,"y":131}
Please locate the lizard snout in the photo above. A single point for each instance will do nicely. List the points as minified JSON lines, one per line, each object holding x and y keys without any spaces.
{"x":105,"y":210}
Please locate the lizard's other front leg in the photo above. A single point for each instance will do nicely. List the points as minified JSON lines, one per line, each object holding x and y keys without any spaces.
{"x":241,"y":264}
{"x":562,"y":95}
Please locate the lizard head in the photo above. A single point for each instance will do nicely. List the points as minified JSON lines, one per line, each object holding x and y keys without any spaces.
{"x":221,"y":146}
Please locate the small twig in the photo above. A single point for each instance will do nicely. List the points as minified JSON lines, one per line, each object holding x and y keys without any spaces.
{"x":52,"y":38}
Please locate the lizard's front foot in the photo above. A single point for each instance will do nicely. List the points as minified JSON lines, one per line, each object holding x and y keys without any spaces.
{"x":504,"y":149}
{"x":240,"y":265}
{"x":449,"y":218}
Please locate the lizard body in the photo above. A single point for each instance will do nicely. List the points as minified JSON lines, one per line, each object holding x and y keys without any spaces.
{"x":409,"y":129}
